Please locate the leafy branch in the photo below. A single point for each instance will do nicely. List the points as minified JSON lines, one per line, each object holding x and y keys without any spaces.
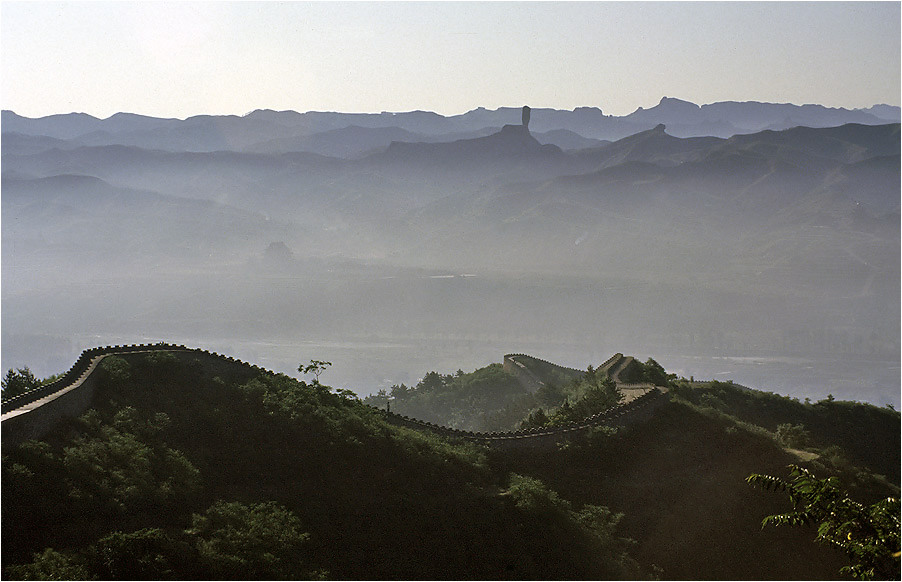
{"x":315,"y":367}
{"x":869,"y":534}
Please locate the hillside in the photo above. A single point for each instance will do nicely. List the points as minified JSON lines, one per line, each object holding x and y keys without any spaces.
{"x":199,"y":460}
{"x":53,"y":212}
{"x":367,"y":499}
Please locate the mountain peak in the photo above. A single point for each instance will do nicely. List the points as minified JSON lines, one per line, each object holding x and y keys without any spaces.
{"x":673,"y":103}
{"x":668,"y":109}
{"x":511,"y":141}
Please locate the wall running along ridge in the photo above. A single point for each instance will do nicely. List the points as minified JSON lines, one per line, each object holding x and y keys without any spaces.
{"x":32,"y":414}
{"x":527,"y":378}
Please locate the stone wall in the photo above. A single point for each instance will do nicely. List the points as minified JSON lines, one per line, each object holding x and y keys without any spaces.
{"x":32,"y":415}
{"x":639,"y":409}
{"x":513,"y":365}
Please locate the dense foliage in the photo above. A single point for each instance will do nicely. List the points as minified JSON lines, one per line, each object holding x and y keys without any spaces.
{"x":490,"y":399}
{"x":649,"y":372}
{"x":848,"y":433}
{"x":869,"y":534}
{"x":580,"y":398}
{"x":475,"y":401}
{"x":229,"y":541}
{"x":177,"y":473}
{"x":192,"y":470}
{"x":18,"y":381}
{"x":679,"y":481}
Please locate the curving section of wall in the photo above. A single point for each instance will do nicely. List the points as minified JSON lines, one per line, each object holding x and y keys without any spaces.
{"x":514,"y":365}
{"x":32,"y":414}
{"x":622,"y":366}
{"x":524,"y":375}
{"x":637,"y":410}
{"x":610,"y":363}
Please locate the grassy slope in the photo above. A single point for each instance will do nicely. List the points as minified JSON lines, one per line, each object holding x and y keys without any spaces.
{"x":679,"y":480}
{"x":866,"y":435}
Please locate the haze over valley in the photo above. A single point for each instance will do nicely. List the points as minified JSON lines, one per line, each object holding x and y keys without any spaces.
{"x":752,"y":241}
{"x":450,"y":290}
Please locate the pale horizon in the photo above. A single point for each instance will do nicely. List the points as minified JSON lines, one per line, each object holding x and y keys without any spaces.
{"x":414,"y":110}
{"x":182,"y":59}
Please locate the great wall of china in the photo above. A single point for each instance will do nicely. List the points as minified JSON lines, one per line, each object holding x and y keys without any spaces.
{"x":32,"y":414}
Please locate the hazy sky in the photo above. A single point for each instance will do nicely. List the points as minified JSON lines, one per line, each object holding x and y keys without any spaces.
{"x":181,"y":59}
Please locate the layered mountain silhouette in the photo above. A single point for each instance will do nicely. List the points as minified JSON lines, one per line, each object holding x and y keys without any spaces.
{"x":84,"y":218}
{"x":768,"y":239}
{"x":512,"y":142}
{"x":748,"y":116}
{"x":280,"y":131}
{"x":765,"y":171}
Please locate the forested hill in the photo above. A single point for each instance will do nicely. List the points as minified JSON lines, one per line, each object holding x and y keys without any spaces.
{"x":187,"y":466}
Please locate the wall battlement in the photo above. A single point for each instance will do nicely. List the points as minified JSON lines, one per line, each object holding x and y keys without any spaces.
{"x":513,"y":364}
{"x":32,"y":414}
{"x":639,"y":409}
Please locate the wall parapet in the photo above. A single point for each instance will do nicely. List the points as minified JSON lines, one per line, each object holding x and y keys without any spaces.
{"x":527,"y":377}
{"x":624,"y":414}
{"x":32,"y":414}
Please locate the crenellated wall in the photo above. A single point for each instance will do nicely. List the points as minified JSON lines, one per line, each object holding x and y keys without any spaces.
{"x":611,"y":363}
{"x":527,"y":378}
{"x":639,"y":409}
{"x":523,"y":374}
{"x":32,"y":414}
{"x":34,"y":419}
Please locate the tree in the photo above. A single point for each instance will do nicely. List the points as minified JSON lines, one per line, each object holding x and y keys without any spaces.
{"x":50,"y":565}
{"x":654,"y":373}
{"x":598,"y":395}
{"x":18,"y":382}
{"x":793,"y":435}
{"x":536,"y":419}
{"x":868,"y":534}
{"x":252,"y":542}
{"x":146,"y":554}
{"x":562,"y":416}
{"x":347,"y":394}
{"x":596,"y":524}
{"x":378,"y":400}
{"x":315,"y":367}
{"x":431,"y":382}
{"x":400,"y":392}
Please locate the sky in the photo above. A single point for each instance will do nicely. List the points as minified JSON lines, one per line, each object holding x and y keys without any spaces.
{"x":178,"y":59}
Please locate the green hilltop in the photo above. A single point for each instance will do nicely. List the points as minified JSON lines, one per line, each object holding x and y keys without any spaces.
{"x":186,"y":467}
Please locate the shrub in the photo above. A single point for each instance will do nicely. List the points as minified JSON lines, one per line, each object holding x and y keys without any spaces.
{"x":251,"y":542}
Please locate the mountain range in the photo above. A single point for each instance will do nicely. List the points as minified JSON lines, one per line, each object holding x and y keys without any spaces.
{"x":582,"y":229}
{"x":341,"y":134}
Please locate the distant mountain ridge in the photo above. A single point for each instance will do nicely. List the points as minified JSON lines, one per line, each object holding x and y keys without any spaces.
{"x":282,"y":131}
{"x":793,"y":234}
{"x":513,"y":141}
